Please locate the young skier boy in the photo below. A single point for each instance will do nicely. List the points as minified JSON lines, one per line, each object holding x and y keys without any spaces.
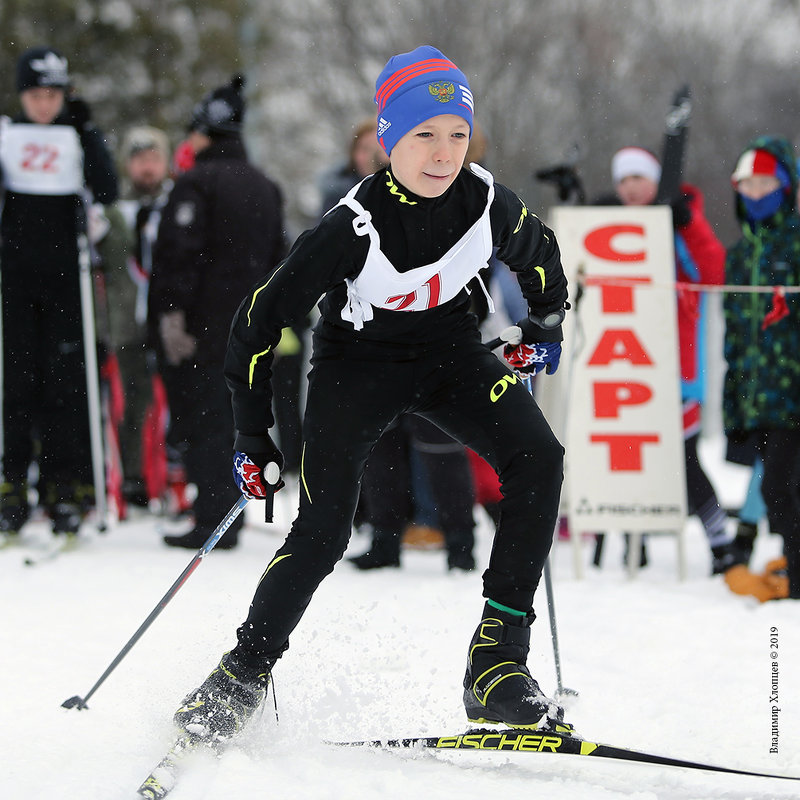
{"x":391,"y":262}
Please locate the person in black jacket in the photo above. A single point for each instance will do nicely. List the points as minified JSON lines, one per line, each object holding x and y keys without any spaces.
{"x":391,"y":262}
{"x":52,"y":161}
{"x":221,"y":228}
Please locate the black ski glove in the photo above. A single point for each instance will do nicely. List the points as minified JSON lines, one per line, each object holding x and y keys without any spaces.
{"x":681,"y":212}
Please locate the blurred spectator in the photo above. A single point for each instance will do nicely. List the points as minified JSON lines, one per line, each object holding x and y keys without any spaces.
{"x":145,"y":155}
{"x":221,"y":230}
{"x":51,"y":157}
{"x":388,"y":496}
{"x":699,"y":258}
{"x":364,"y":157}
{"x":761,"y":395}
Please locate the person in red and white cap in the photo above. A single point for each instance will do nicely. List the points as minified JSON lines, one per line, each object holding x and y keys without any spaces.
{"x":761,"y":394}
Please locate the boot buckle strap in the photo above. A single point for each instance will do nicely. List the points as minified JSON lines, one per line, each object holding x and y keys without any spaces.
{"x":488,"y":680}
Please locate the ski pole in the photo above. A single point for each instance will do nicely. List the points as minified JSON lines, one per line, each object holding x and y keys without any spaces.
{"x":551,"y":609}
{"x":551,"y":604}
{"x":80,"y":702}
{"x":92,"y":381}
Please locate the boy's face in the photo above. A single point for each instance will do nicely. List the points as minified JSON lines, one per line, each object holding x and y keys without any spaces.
{"x":757,"y":186}
{"x":42,"y":104}
{"x":428,"y":158}
{"x":637,"y":190}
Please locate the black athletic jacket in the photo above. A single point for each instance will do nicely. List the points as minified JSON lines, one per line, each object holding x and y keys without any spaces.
{"x":411,"y":236}
{"x":221,"y":229}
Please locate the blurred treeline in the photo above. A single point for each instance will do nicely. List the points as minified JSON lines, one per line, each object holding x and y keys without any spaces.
{"x":547,"y":76}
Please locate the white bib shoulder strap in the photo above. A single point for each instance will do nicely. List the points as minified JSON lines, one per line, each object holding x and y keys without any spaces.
{"x":362,"y":223}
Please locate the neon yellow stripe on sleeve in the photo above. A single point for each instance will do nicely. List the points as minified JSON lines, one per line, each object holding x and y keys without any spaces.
{"x":259,"y":290}
{"x":303,"y":473}
{"x":253,"y":361}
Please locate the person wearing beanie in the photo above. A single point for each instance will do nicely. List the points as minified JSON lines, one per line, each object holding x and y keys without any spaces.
{"x":220,"y":230}
{"x":699,"y":258}
{"x":221,"y":112}
{"x":391,"y":262}
{"x":52,"y":158}
{"x":761,"y":393}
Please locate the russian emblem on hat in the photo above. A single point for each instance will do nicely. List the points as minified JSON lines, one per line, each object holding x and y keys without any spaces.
{"x":443,"y":91}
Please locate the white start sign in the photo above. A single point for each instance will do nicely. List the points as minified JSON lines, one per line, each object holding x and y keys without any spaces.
{"x":622,"y":419}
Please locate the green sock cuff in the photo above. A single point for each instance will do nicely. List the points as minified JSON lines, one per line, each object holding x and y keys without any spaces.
{"x":501,"y":607}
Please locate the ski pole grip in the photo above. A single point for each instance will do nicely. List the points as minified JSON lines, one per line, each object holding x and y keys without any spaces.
{"x":272,"y":475}
{"x":511,"y":335}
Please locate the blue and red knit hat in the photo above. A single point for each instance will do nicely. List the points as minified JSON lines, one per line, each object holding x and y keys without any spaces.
{"x":416,"y":86}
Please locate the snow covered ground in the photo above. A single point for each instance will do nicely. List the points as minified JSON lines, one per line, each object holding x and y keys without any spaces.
{"x":683,"y":669}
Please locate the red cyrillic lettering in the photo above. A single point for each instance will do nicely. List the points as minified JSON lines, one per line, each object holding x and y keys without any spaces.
{"x":599,"y":243}
{"x":625,"y":449}
{"x":609,"y":396}
{"x":620,"y":344}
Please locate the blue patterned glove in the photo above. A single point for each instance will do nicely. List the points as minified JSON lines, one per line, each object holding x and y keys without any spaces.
{"x":258,"y":476}
{"x":533,"y":358}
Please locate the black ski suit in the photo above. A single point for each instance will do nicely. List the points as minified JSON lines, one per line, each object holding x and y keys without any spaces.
{"x":222,"y":227}
{"x":429,"y":362}
{"x":44,"y":378}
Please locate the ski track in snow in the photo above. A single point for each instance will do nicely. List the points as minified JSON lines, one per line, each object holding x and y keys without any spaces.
{"x":681,"y":669}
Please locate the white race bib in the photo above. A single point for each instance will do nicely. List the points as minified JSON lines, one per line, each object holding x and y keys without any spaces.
{"x":41,"y":159}
{"x":380,"y":285}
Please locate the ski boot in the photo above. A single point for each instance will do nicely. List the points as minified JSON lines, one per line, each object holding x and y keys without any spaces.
{"x":773,"y":584}
{"x":226,"y":700}
{"x":66,"y":518}
{"x":497,"y":686}
{"x":731,"y":554}
{"x":14,"y":508}
{"x":745,"y":539}
{"x":384,"y":552}
{"x":460,"y":560}
{"x":198,"y":535}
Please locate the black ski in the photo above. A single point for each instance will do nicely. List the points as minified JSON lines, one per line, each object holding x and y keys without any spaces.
{"x":676,"y":131}
{"x":161,"y":781}
{"x":531,"y":741}
{"x":66,"y":543}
